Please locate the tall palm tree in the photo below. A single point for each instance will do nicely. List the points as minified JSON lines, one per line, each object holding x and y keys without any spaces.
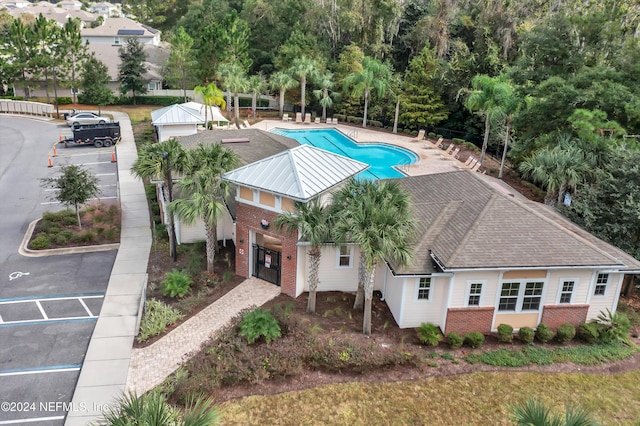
{"x":508,"y":104}
{"x":281,"y":81}
{"x":159,"y":161}
{"x":236,"y":82}
{"x":310,"y":220}
{"x":536,"y":413}
{"x":257,"y":85}
{"x":325,"y":94}
{"x":211,"y":95}
{"x":376,"y":216}
{"x":374,"y":77}
{"x":303,"y":68}
{"x":202,"y":192}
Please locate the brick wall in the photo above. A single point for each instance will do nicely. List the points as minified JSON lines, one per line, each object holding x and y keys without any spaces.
{"x":248,"y":218}
{"x":554,"y":316}
{"x":465,"y":320}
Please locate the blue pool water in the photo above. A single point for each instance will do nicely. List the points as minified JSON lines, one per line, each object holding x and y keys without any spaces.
{"x":384,"y":160}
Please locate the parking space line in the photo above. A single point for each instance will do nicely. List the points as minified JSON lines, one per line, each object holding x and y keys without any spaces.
{"x":91,"y":295}
{"x":40,"y":370}
{"x":42,"y":312}
{"x":86,"y":308}
{"x":49,"y":321}
{"x":33,"y":420}
{"x":105,"y":174}
{"x":90,"y":199}
{"x":88,"y":164}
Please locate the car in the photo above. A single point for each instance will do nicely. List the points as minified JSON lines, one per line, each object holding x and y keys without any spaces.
{"x":86,"y":118}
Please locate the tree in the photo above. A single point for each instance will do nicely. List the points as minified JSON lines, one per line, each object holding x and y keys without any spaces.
{"x":303,"y":68}
{"x":152,"y":409}
{"x":325,"y":95}
{"x":74,"y":187}
{"x":74,"y":54}
{"x":158,"y":161}
{"x":374,"y":77}
{"x":257,"y":85}
{"x":94,"y":81}
{"x":180,"y":66}
{"x":132,"y":68}
{"x":202,"y":191}
{"x":508,"y":104}
{"x":376,"y":216}
{"x":210,"y":95}
{"x":235,"y":81}
{"x":311,"y":221}
{"x":45,"y":35}
{"x":281,"y":81}
{"x":536,"y":413}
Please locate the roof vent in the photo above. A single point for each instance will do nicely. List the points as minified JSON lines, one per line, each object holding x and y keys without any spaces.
{"x":235,"y":140}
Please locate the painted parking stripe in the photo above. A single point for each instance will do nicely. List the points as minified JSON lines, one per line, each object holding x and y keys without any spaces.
{"x":86,"y":308}
{"x":90,"y":199}
{"x":89,"y":295}
{"x":49,"y":321}
{"x":99,"y":186}
{"x":42,"y":312}
{"x":88,"y":164}
{"x":33,"y":420}
{"x":40,"y":370}
{"x":105,"y":174}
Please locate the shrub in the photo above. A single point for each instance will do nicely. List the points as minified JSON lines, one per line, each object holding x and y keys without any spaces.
{"x":474,"y":339}
{"x":526,"y":334}
{"x":374,"y":123}
{"x":60,"y":239}
{"x":459,"y":141}
{"x":64,"y":100}
{"x":45,"y":225}
{"x":41,"y":242}
{"x":353,"y":119}
{"x":505,"y":333}
{"x":176,"y":283}
{"x":340,"y":117}
{"x":454,"y":340}
{"x":544,"y":333}
{"x":565,"y":333}
{"x":431,"y":135}
{"x":429,"y":334}
{"x":613,"y":327}
{"x":588,"y":332}
{"x":157,"y":316}
{"x":259,"y":323}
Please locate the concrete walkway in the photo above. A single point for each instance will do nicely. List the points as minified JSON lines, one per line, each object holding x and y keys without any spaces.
{"x":151,"y":365}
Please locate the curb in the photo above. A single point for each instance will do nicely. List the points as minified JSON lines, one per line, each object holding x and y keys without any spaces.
{"x":27,"y":252}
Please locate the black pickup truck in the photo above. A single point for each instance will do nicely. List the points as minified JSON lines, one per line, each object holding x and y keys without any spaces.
{"x":98,"y":135}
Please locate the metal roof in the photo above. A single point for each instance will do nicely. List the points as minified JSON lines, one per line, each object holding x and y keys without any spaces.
{"x":300,"y":173}
{"x":176,"y":114}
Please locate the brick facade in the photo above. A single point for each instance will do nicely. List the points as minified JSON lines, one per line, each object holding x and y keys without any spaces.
{"x":554,"y":316}
{"x":248,"y":219}
{"x":465,"y":320}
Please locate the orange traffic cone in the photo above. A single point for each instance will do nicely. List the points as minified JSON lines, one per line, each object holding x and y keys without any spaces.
{"x":55,"y":153}
{"x":60,"y":137}
{"x":113,"y":156}
{"x":50,"y":162}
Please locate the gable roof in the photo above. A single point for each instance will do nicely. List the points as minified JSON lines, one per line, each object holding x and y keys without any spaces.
{"x":467,"y":221}
{"x":113,"y":25}
{"x":300,"y":173}
{"x":175,"y":114}
{"x":212,"y":111}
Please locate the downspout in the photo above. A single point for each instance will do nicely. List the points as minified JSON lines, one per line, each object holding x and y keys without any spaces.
{"x":384,"y":285}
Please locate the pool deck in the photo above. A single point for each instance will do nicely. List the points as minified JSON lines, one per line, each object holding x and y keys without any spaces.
{"x":432,"y":160}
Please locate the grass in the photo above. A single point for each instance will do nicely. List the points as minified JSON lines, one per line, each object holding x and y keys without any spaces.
{"x":478,"y":398}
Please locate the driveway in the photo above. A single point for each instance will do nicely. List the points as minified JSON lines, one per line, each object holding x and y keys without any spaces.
{"x":48,"y":305}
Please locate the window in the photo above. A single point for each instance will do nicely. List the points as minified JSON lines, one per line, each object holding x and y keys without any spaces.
{"x":344,"y":256}
{"x":509,"y":296}
{"x":116,"y":40}
{"x":567,"y":291}
{"x":520,"y":296}
{"x":532,"y":296}
{"x":475,"y":291}
{"x":424,"y":288}
{"x":601,"y":284}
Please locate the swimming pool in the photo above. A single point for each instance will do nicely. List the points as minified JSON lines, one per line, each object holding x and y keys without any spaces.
{"x":383,"y":159}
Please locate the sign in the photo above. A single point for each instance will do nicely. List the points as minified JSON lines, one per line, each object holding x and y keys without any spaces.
{"x":267,"y":261}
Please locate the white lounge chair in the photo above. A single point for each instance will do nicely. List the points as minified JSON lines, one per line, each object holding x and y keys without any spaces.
{"x":246,"y":124}
{"x":317,"y":120}
{"x":285,"y":117}
{"x":307,"y":118}
{"x":419,"y":137}
{"x":298,"y":117}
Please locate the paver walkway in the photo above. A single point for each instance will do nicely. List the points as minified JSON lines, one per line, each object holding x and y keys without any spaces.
{"x":149,"y":366}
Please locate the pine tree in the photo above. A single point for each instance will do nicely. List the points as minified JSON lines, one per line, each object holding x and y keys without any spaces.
{"x":132,"y":68}
{"x":95,"y":77}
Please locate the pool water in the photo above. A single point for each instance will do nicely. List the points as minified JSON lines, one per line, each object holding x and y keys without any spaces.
{"x":384,"y":160}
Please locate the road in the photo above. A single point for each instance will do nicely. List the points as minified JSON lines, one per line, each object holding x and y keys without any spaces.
{"x":48,"y":305}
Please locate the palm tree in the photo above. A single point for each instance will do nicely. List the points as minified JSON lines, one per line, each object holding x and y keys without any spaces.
{"x":375,"y":76}
{"x":210,"y":95}
{"x":256,"y":84}
{"x":376,"y":216}
{"x":158,"y":161}
{"x":304,"y":68}
{"x":557,"y":169}
{"x":325,"y":94}
{"x":508,"y":104}
{"x":310,"y":220}
{"x":281,"y":81}
{"x":535,"y":413}
{"x":152,"y":409}
{"x":202,"y":192}
{"x":236,"y":82}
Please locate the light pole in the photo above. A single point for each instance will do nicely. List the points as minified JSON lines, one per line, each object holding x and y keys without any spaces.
{"x":174,"y":244}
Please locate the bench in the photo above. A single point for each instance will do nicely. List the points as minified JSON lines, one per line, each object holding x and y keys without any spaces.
{"x":235,"y":140}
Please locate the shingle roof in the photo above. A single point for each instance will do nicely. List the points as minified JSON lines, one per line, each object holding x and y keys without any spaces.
{"x":112,"y":25}
{"x":176,"y":114}
{"x":300,"y":173}
{"x":467,"y":222}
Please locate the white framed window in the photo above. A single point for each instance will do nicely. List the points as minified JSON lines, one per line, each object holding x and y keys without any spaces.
{"x":116,"y":40}
{"x":424,"y":288}
{"x":474,"y":293}
{"x":567,"y":288}
{"x":601,"y":285}
{"x":520,"y":296}
{"x":345,"y":256}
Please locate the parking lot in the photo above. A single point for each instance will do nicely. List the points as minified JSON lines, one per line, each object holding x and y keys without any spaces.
{"x":48,"y":305}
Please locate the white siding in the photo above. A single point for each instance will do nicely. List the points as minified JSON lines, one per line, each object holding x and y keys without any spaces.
{"x":393,"y":295}
{"x":195,"y":232}
{"x":332,"y":277}
{"x":167,"y":132}
{"x":598,"y":304}
{"x":582,"y":279}
{"x":460,"y":280}
{"x":415,"y":311}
